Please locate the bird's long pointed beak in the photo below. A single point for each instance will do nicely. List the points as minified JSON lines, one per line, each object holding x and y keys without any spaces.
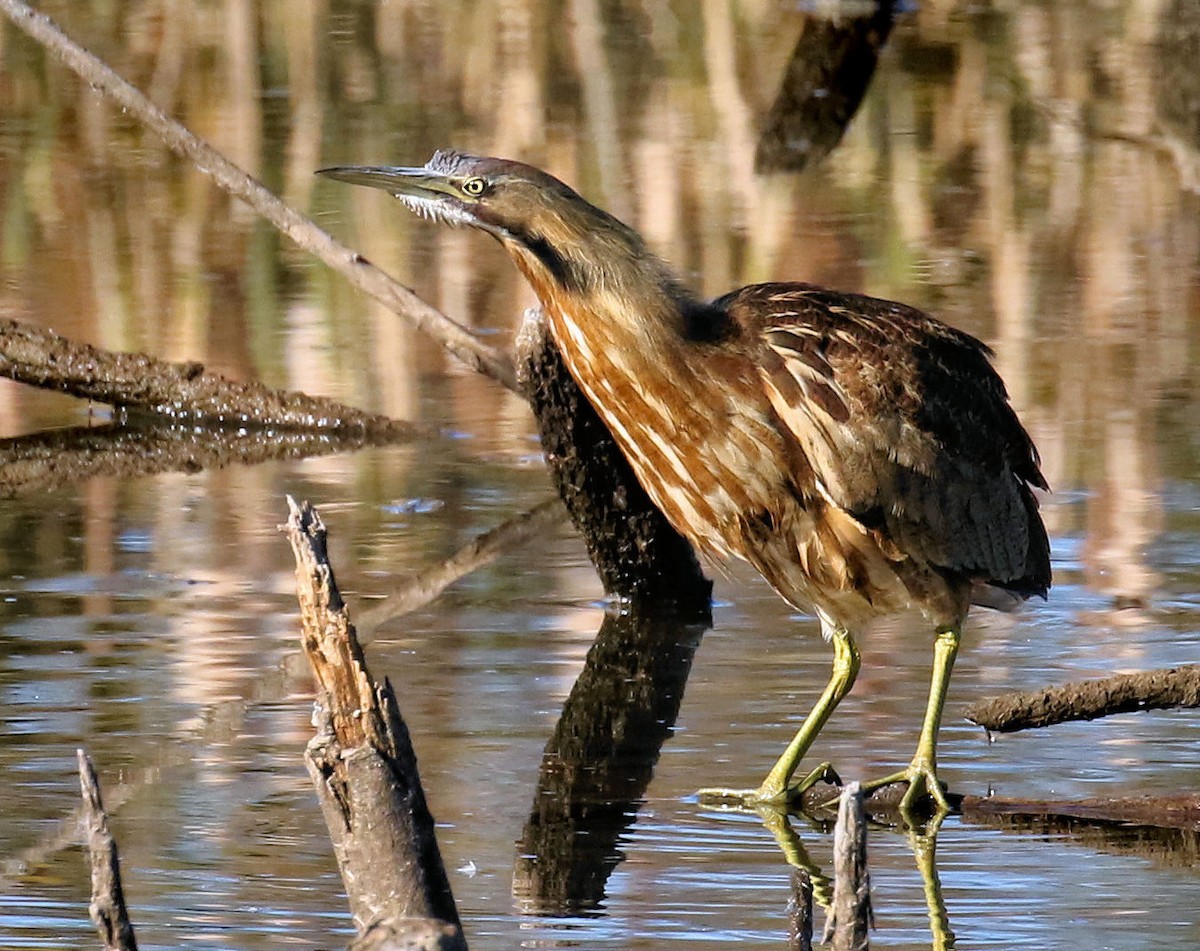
{"x":415,"y":182}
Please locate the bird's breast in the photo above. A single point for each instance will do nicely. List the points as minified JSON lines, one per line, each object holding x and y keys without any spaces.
{"x":695,"y":426}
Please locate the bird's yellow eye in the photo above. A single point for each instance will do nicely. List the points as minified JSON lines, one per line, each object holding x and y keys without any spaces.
{"x":474,"y":187}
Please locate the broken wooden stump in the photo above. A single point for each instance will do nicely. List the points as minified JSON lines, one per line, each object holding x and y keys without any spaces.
{"x":107,"y":908}
{"x":848,"y":925}
{"x":364,"y":770}
{"x":1090,"y":699}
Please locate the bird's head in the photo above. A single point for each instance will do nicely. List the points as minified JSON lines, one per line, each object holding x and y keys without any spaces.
{"x":562,"y":242}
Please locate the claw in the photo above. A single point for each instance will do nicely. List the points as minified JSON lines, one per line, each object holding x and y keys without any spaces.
{"x":921,"y":777}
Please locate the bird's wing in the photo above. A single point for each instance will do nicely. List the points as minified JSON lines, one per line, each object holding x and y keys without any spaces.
{"x":905,"y":426}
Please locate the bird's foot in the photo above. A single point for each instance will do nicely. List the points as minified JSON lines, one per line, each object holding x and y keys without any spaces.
{"x":774,"y":795}
{"x":921,"y":777}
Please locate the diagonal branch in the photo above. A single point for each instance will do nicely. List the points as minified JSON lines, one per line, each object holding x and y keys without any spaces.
{"x":455,"y":338}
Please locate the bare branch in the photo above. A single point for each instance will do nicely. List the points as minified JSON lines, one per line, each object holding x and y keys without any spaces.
{"x":849,"y":919}
{"x":107,"y":908}
{"x":363,"y":766}
{"x":416,"y":592}
{"x":1090,"y":699}
{"x":180,"y":392}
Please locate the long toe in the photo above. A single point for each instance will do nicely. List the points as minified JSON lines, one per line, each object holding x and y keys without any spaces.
{"x":767,"y":794}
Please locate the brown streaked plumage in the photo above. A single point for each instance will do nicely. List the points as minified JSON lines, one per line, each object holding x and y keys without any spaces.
{"x":862,"y":455}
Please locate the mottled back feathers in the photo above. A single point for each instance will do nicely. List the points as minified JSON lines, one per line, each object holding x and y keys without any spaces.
{"x":906,"y":427}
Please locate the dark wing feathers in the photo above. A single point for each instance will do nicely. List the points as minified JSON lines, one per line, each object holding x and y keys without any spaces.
{"x":906,"y":426}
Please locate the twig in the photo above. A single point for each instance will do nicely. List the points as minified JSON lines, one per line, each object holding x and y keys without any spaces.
{"x":850,"y":919}
{"x":455,"y":338}
{"x":107,"y":908}
{"x":416,"y":592}
{"x":362,"y":764}
{"x":1090,"y":699}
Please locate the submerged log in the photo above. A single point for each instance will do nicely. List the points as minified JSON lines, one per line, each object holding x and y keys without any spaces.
{"x":107,"y":908}
{"x":364,"y":769}
{"x":1090,"y":699}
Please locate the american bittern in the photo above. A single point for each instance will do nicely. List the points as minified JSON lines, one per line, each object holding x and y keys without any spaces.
{"x":860,"y":454}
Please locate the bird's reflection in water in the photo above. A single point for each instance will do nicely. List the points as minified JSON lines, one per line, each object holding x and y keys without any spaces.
{"x":923,"y":844}
{"x":601,"y":757}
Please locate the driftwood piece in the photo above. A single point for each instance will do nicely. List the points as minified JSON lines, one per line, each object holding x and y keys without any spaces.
{"x":1090,"y":699}
{"x":363,"y":767}
{"x":44,"y":461}
{"x":637,"y":553}
{"x":107,"y":908}
{"x":848,"y":925}
{"x":180,"y":392}
{"x":454,"y":338}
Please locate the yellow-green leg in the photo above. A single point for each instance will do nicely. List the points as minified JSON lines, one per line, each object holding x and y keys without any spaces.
{"x":774,"y":789}
{"x":921,"y":774}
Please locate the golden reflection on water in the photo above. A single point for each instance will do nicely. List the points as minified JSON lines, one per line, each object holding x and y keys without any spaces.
{"x":1026,"y":171}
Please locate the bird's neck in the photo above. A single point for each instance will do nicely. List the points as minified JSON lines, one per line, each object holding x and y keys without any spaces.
{"x":616,"y":293}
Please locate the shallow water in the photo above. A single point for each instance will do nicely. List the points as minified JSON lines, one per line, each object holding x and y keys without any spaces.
{"x":1022,"y":171}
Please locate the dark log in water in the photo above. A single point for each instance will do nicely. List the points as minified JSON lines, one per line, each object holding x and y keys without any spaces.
{"x":107,"y":908}
{"x":179,"y":392}
{"x":1090,"y":699}
{"x":637,"y":553}
{"x":826,"y":78}
{"x":600,"y":759}
{"x":364,"y":770}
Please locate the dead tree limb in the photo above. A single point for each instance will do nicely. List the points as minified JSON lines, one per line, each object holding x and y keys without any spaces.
{"x":363,"y":767}
{"x":107,"y":908}
{"x":848,"y":925}
{"x":1090,"y":699}
{"x":418,"y":591}
{"x":180,"y":392}
{"x":454,"y":338}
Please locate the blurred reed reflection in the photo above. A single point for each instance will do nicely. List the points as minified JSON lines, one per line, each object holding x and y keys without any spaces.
{"x":1022,"y":172}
